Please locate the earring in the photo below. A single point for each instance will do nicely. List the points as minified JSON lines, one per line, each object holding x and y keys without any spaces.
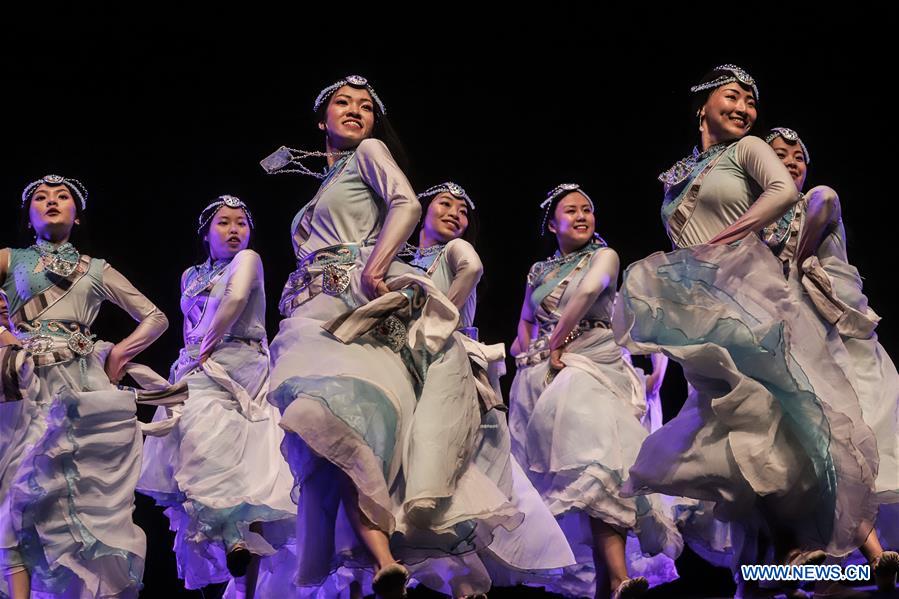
{"x":30,"y":226}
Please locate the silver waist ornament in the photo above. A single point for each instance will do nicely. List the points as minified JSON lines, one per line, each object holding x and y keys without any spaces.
{"x":45,"y":337}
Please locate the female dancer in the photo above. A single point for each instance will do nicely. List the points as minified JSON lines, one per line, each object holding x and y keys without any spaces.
{"x":835,"y":290}
{"x":445,"y":252}
{"x":771,"y":428}
{"x":70,"y":444}
{"x":346,"y":370}
{"x":577,"y":404}
{"x":220,"y":472}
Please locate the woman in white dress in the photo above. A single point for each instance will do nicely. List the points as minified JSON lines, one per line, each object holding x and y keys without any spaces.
{"x":771,"y":432}
{"x":363,"y":332}
{"x":220,"y":472}
{"x":537,"y":548}
{"x":813,"y":241}
{"x":577,"y":407}
{"x":70,"y":442}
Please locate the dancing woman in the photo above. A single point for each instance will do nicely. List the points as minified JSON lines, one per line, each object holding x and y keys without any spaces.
{"x":70,"y":444}
{"x":577,"y":405}
{"x":220,"y":471}
{"x":814,"y":239}
{"x":347,"y":370}
{"x":771,"y":429}
{"x":534,"y":550}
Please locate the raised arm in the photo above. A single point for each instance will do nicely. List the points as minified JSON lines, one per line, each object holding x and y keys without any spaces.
{"x":380,"y":172}
{"x":778,"y":195}
{"x":246,"y":275}
{"x":602,"y":271}
{"x":153,"y":322}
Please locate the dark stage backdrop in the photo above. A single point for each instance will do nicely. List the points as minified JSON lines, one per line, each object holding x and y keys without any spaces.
{"x":158,"y":116}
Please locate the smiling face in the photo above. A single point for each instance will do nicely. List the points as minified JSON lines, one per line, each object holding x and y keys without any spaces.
{"x":573,"y":222}
{"x":728,"y":113}
{"x":229,"y":232}
{"x":53,"y":212}
{"x":793,"y":158}
{"x":446,"y":219}
{"x":349,"y":118}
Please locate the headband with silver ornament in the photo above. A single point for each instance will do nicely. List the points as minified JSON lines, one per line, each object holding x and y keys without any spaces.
{"x":226,"y":200}
{"x":354,"y":81}
{"x":451,"y":188}
{"x":736,"y":74}
{"x":789,"y":135}
{"x":557,"y":192}
{"x":73,"y":184}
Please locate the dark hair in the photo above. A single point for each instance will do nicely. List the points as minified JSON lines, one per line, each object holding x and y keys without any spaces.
{"x":26,"y":233}
{"x":549,"y":242}
{"x":203,"y":245}
{"x":471,"y":231}
{"x":698,"y":99}
{"x":789,"y":142}
{"x":382,"y":130}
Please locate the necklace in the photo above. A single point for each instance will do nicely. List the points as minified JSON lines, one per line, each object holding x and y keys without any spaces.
{"x":61,"y":260}
{"x":541,"y":268}
{"x":205,"y":273}
{"x":683,"y":167}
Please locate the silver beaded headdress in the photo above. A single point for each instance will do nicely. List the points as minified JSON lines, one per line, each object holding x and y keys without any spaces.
{"x":789,"y":135}
{"x":74,"y":185}
{"x":451,"y":188}
{"x":226,"y":200}
{"x":731,"y":74}
{"x":556,"y":192}
{"x":353,"y":80}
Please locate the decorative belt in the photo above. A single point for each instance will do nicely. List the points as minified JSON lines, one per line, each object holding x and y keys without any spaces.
{"x":198,"y":339}
{"x":333,"y":264}
{"x":53,"y":341}
{"x":539,"y":348}
{"x":185,"y":357}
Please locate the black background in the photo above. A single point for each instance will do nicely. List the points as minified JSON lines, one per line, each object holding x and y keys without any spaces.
{"x":159,"y":113}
